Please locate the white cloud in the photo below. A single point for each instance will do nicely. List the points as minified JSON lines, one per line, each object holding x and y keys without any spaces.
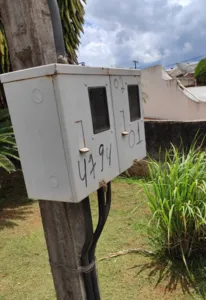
{"x":181,"y":2}
{"x":95,"y":48}
{"x":187,"y":47}
{"x":150,"y":31}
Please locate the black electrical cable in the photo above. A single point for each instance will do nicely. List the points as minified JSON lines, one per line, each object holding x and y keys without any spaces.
{"x":91,"y":239}
{"x":57,"y":28}
{"x":97,"y":233}
{"x":104,"y":208}
{"x":88,"y":251}
{"x":109,"y":199}
{"x":85,"y":251}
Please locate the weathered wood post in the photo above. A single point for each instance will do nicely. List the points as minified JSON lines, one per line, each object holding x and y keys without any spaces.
{"x":30,"y":37}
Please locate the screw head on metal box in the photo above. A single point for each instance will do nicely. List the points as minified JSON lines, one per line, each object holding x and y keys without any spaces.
{"x":75,"y":127}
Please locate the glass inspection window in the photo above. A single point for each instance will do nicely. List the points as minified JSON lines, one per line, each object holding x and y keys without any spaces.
{"x":99,"y":109}
{"x":134,"y":102}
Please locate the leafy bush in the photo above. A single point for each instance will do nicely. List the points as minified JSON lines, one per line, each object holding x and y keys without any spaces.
{"x":177,"y":199}
{"x":8,"y":148}
{"x":200,"y":72}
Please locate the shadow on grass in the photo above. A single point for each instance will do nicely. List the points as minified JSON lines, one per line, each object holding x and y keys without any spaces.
{"x":174,"y":273}
{"x":10,"y":216}
{"x":14,"y":204}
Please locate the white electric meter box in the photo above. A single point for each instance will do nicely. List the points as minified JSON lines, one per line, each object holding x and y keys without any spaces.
{"x":75,"y":127}
{"x":128,"y":118}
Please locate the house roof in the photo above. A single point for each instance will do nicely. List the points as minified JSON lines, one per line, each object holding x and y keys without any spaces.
{"x":176,"y":72}
{"x":199,"y":92}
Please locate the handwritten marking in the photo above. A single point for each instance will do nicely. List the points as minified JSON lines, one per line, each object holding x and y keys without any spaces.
{"x":116,"y":83}
{"x":138,"y":134}
{"x":122,"y":82}
{"x":93,"y":165}
{"x":132,"y":138}
{"x":109,"y":154}
{"x":84,"y":177}
{"x":90,"y":170}
{"x":101,"y":153}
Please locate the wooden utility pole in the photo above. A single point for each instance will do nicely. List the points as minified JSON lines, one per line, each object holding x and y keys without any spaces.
{"x":135,"y":63}
{"x":29,"y":33}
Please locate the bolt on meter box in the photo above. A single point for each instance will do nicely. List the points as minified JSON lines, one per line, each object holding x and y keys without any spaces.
{"x":75,"y":127}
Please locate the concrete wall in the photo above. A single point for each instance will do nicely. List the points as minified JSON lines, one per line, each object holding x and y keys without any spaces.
{"x":165,"y":100}
{"x":160,"y":135}
{"x":187,"y":81}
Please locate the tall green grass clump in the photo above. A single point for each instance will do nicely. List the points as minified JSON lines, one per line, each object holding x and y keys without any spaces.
{"x":176,"y":196}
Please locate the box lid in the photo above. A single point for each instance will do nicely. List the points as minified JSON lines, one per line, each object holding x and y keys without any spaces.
{"x":54,"y":69}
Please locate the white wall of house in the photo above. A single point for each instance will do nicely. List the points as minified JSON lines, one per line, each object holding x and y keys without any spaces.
{"x":165,"y":99}
{"x":187,"y":81}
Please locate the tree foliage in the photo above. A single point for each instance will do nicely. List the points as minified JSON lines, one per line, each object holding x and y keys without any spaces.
{"x":200,"y":72}
{"x":4,"y":52}
{"x":72,"y":16}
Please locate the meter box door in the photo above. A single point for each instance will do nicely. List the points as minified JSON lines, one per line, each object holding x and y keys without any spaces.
{"x":86,"y":114}
{"x":64,"y":127}
{"x":129,"y":119}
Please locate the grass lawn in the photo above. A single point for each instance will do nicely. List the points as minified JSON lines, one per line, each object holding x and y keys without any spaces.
{"x":24,"y":269}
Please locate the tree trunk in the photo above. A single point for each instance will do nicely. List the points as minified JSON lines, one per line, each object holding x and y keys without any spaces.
{"x":29,"y":32}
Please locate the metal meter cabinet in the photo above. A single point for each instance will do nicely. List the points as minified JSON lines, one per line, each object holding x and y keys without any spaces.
{"x":72,"y":127}
{"x":129,"y":119}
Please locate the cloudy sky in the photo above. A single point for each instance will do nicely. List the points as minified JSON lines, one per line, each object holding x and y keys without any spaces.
{"x":150,"y":31}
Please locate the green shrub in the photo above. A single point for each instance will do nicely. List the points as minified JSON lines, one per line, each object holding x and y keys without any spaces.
{"x":8,"y":148}
{"x":176,"y":196}
{"x":200,"y":72}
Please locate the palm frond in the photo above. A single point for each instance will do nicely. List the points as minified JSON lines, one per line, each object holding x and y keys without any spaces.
{"x":6,"y":163}
{"x":4,"y":51}
{"x":4,"y":115}
{"x":72,"y":16}
{"x":8,"y":148}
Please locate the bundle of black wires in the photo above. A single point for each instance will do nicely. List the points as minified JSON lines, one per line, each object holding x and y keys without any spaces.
{"x":88,"y":252}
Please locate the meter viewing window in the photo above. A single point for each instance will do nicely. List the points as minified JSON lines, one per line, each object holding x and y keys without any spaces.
{"x":134,"y":102}
{"x":99,"y":109}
